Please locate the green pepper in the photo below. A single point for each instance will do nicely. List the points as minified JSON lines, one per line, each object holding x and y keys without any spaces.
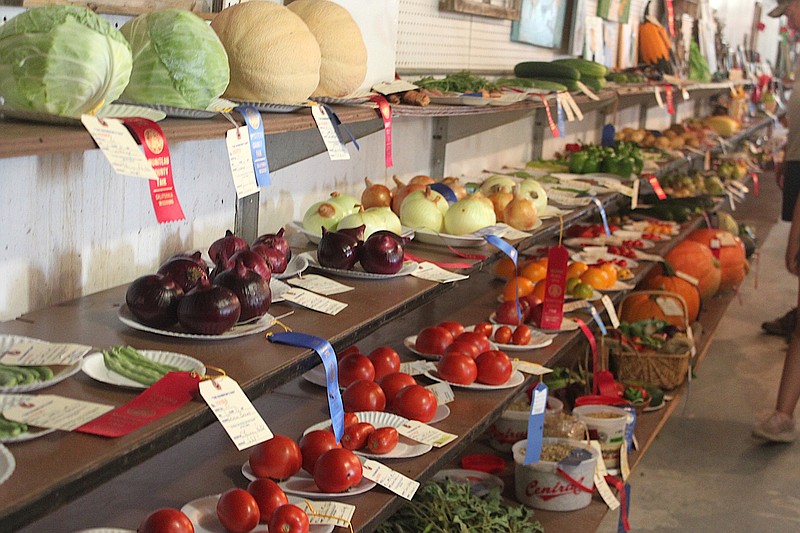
{"x":638,"y":164}
{"x":625,"y":167}
{"x":610,"y":165}
{"x":577,"y":161}
{"x":592,"y":164}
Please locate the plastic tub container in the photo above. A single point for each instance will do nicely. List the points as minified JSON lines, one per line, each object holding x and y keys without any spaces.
{"x":512,"y":426}
{"x":606,"y":424}
{"x":539,"y":485}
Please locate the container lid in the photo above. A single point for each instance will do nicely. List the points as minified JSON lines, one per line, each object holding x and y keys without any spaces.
{"x":484,"y":462}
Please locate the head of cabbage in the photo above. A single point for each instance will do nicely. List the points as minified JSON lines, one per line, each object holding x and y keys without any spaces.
{"x":63,"y":60}
{"x":178,"y":60}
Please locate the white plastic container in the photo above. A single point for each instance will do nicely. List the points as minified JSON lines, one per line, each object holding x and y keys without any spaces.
{"x":606,"y":424}
{"x":539,"y":485}
{"x":512,"y":426}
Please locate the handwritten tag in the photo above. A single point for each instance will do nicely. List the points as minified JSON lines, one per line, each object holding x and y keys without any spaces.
{"x":573,"y":105}
{"x":119,"y":147}
{"x":35,"y":353}
{"x":635,"y":194}
{"x":416,"y":368}
{"x":337,"y":151}
{"x":235,"y":412}
{"x":575,"y":305}
{"x":533,"y":369}
{"x":687,"y":277}
{"x":619,"y":187}
{"x":391,"y":479}
{"x":443,"y":392}
{"x":588,"y":92}
{"x":612,"y":313}
{"x":56,"y":412}
{"x":624,"y":466}
{"x":669,"y":306}
{"x":431,"y":272}
{"x":600,"y":483}
{"x":421,"y":432}
{"x":567,"y":108}
{"x":241,"y":161}
{"x":313,"y":301}
{"x":336,"y":514}
{"x":320,"y":284}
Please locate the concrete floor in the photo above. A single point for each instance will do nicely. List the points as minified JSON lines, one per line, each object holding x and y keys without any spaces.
{"x":705,"y":472}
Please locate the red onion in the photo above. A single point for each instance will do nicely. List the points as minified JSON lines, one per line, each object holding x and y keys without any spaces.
{"x":382,"y":253}
{"x":275,"y":259}
{"x":196,"y":256}
{"x":277,"y":241}
{"x":185,"y":271}
{"x":337,"y":250}
{"x":221,"y":249}
{"x":209,"y":309}
{"x":251,"y":260}
{"x":153,"y":300}
{"x":251,"y":289}
{"x":357,"y":233}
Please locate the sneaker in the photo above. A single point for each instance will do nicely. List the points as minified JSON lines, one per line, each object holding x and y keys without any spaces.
{"x":782,"y":326}
{"x":778,"y":427}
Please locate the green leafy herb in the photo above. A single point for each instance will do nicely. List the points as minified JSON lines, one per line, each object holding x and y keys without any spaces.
{"x":460,"y":82}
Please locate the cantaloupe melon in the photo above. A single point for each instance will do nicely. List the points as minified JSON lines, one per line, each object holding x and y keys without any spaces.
{"x":273,"y":56}
{"x":344,"y":54}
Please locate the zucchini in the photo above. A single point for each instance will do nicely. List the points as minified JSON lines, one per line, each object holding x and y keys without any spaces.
{"x":530,"y":83}
{"x":545,"y":69}
{"x":584,"y":66}
{"x":595,"y":84}
{"x":567,"y":83}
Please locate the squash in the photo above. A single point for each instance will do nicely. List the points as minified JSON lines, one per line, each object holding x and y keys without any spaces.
{"x":344,"y":54}
{"x":732,"y":258}
{"x":645,"y":306}
{"x":273,"y":56}
{"x":662,"y":277}
{"x":655,"y":45}
{"x":696,"y":259}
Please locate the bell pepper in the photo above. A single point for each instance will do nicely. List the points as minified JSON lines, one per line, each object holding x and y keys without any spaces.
{"x":592,"y":163}
{"x":577,"y":162}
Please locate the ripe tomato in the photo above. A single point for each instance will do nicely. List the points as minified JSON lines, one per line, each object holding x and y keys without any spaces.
{"x":484,"y":327}
{"x":433,"y":340}
{"x":457,"y":368}
{"x":478,"y":339}
{"x":506,"y":312}
{"x":415,"y":402}
{"x":276,"y":458}
{"x":347,"y":351}
{"x":355,"y":366}
{"x":392,"y":383}
{"x":521,"y":336}
{"x":238,"y":511}
{"x":313,"y":444}
{"x":268,"y":495}
{"x":463,"y":347}
{"x":355,"y":436}
{"x":337,"y":470}
{"x":455,"y":328}
{"x":494,"y":367}
{"x":349,"y":418}
{"x":167,"y":520}
{"x":363,"y":395}
{"x":503,"y":335}
{"x":289,"y":518}
{"x":383,"y":440}
{"x":385,"y":360}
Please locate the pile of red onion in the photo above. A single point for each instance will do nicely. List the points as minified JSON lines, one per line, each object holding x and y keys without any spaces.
{"x":381,"y":253}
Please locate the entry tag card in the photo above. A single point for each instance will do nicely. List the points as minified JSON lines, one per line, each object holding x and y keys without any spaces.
{"x":119,"y":147}
{"x":533,"y":449}
{"x":241,"y":161}
{"x":336,"y":514}
{"x":600,"y":479}
{"x":443,"y":392}
{"x":416,"y":368}
{"x":33,"y":353}
{"x":55,"y":412}
{"x":431,"y":272}
{"x":562,"y":127}
{"x":258,"y":145}
{"x":235,"y":412}
{"x":612,"y":313}
{"x":635,"y":194}
{"x":337,"y":151}
{"x":313,"y":301}
{"x":320,"y":284}
{"x":527,"y":367}
{"x":555,"y":281}
{"x":390,"y":479}
{"x":421,"y":432}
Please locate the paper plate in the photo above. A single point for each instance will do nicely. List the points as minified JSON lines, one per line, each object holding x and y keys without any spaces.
{"x":9,"y":400}
{"x":178,"y":112}
{"x":241,"y":330}
{"x":444,"y":239}
{"x":7,"y":464}
{"x":345,"y":100}
{"x":515,"y":380}
{"x":105,"y":530}
{"x":271,"y":108}
{"x":60,"y":372}
{"x":277,"y":288}
{"x":94,"y":367}
{"x":109,"y":111}
{"x":358,"y":272}
{"x":302,"y":484}
{"x":592,"y":258}
{"x":297,"y":264}
{"x":580,"y":242}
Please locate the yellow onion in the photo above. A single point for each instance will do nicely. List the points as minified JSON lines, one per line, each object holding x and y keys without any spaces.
{"x":500,"y":200}
{"x":533,"y":188}
{"x":456,"y":186}
{"x":347,"y":202}
{"x":323,"y":214}
{"x":375,"y":195}
{"x":374,"y":219}
{"x":520,"y":213}
{"x":470,"y":214}
{"x":421,"y":179}
{"x":497,"y":182}
{"x":424,"y":210}
{"x":401,"y":191}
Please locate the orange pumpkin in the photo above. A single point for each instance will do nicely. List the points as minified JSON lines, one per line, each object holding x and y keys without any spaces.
{"x":662,"y":277}
{"x":696,"y":259}
{"x":645,"y":306}
{"x":732,"y":257}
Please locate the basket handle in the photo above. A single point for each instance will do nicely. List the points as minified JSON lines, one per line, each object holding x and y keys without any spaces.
{"x":655,"y":292}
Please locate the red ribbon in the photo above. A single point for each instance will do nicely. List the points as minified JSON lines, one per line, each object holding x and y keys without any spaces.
{"x":410,"y":257}
{"x":573,"y":481}
{"x":550,"y":121}
{"x":656,"y":187}
{"x":755,"y":183}
{"x":671,"y":17}
{"x":385,"y":111}
{"x":464,"y":255}
{"x":623,"y":501}
{"x":670,"y":99}
{"x":593,"y":344}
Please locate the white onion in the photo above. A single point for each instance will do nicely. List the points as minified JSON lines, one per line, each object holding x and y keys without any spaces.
{"x":470,"y":214}
{"x":347,"y":202}
{"x":374,"y":218}
{"x":424,"y":210}
{"x":321,"y":214}
{"x":534,"y":189}
{"x":497,"y":183}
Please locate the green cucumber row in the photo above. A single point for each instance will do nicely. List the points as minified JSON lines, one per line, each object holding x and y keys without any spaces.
{"x":13,"y":376}
{"x":127,"y":362}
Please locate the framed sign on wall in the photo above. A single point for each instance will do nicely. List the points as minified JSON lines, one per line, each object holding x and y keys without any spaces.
{"x":502,"y":9}
{"x":541,"y":23}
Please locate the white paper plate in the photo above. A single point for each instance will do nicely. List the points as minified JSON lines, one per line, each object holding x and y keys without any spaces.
{"x":480,"y":482}
{"x":410,"y":343}
{"x":297,"y":264}
{"x":568,"y":324}
{"x":345,"y":100}
{"x":515,"y":380}
{"x":551,"y":211}
{"x":60,"y":372}
{"x":203,"y":514}
{"x":271,"y":108}
{"x":580,"y":242}
{"x":539,"y":339}
{"x":444,"y":239}
{"x":9,"y":400}
{"x":316,"y":376}
{"x":642,"y":226}
{"x":358,"y":273}
{"x":302,"y":484}
{"x":178,"y":112}
{"x":109,"y":111}
{"x":442,"y":412}
{"x":379,"y":419}
{"x":593,"y":258}
{"x":277,"y":288}
{"x":504,"y":100}
{"x":620,"y":286}
{"x":105,"y":530}
{"x":94,"y":367}
{"x":240,"y":330}
{"x":7,"y":464}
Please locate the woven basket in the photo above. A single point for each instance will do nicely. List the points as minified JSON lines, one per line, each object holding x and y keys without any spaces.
{"x":664,"y":370}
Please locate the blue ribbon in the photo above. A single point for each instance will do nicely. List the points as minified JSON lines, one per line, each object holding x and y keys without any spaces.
{"x":258,"y":145}
{"x":607,"y":137}
{"x":623,"y":510}
{"x":560,"y":118}
{"x":338,"y":126}
{"x":602,"y":210}
{"x":328,"y":356}
{"x":533,"y":449}
{"x":597,"y":318}
{"x":512,"y":253}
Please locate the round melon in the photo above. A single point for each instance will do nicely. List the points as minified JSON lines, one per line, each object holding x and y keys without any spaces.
{"x":344,"y":54}
{"x":274,"y":57}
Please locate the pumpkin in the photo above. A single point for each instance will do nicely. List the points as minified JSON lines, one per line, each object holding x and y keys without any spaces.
{"x":662,"y":277}
{"x":273,"y":56}
{"x":645,"y":306}
{"x":344,"y":54}
{"x":732,"y":257}
{"x":696,"y":259}
{"x":655,"y":45}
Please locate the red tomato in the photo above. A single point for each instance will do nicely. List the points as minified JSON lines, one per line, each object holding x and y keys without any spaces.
{"x":313,"y":444}
{"x":433,"y":340}
{"x":385,"y":360}
{"x":337,"y":470}
{"x":484,"y":327}
{"x":457,"y":368}
{"x":350,"y":418}
{"x":167,"y":520}
{"x":347,"y":351}
{"x":494,"y":367}
{"x":238,"y":511}
{"x":363,"y":395}
{"x":463,"y":347}
{"x":503,"y":335}
{"x":289,"y":519}
{"x":392,"y":383}
{"x":276,"y":458}
{"x":506,"y":312}
{"x":355,"y":436}
{"x":531,"y":300}
{"x":355,"y":366}
{"x":383,"y":440}
{"x":535,"y":316}
{"x":478,"y":339}
{"x":268,"y":495}
{"x":416,"y":403}
{"x":455,"y":328}
{"x":521,"y":335}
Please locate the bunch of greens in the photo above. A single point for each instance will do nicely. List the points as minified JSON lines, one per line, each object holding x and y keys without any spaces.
{"x":460,"y":82}
{"x":450,"y":507}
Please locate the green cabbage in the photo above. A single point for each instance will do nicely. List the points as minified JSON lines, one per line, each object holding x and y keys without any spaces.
{"x":178,"y":60}
{"x":63,"y":60}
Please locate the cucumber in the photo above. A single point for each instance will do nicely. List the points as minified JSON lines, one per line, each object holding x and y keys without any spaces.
{"x":545,"y":70}
{"x":595,"y":84}
{"x":568,"y":83}
{"x":584,"y":66}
